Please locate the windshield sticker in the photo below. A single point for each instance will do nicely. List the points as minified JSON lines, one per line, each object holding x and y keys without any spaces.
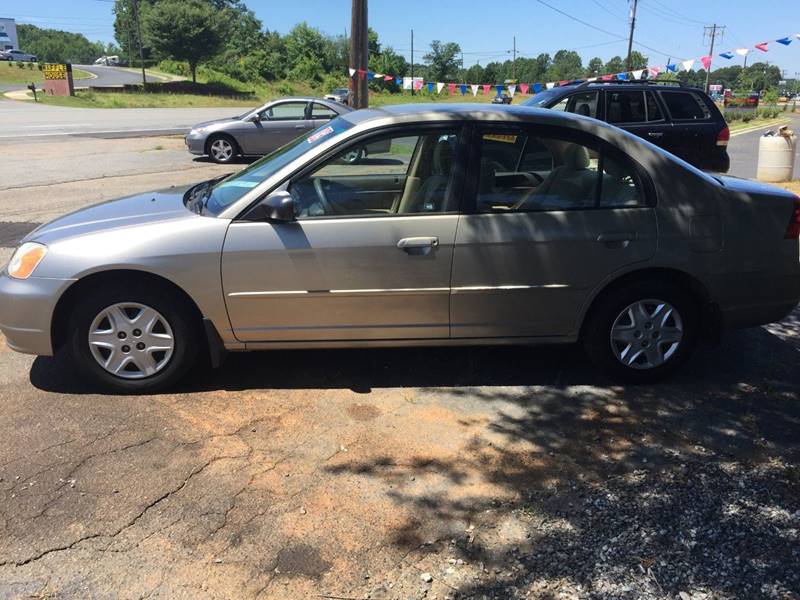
{"x":495,"y":137}
{"x":242,"y":183}
{"x":320,"y":134}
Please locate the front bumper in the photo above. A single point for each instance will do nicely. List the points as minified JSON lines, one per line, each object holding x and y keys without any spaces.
{"x":26,"y":312}
{"x":195,"y":144}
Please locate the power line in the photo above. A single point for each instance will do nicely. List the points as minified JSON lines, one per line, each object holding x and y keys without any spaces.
{"x":581,"y":21}
{"x":678,"y":15}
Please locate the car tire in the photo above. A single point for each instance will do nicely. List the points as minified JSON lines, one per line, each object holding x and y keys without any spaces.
{"x":96,"y":335}
{"x":643,"y":331}
{"x":222,"y":149}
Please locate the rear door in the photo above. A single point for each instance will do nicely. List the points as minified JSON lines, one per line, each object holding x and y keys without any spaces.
{"x":638,"y":112}
{"x":279,"y":124}
{"x":529,"y":251}
{"x":694,"y":130}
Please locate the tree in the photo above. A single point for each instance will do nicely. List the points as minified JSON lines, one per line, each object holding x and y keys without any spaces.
{"x":305,"y":52}
{"x":443,"y":60}
{"x":566,"y":65}
{"x":184,"y":30}
{"x":595,"y":67}
{"x":52,"y":45}
{"x":614,"y":65}
{"x":638,"y":61}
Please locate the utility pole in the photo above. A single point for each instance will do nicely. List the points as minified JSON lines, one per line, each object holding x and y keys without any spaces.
{"x":711,"y":32}
{"x":630,"y":38}
{"x":413,"y":91}
{"x":139,"y":35}
{"x":359,"y":53}
{"x":514,"y":62}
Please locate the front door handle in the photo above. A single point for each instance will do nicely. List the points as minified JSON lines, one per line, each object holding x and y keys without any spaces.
{"x":418,"y":245}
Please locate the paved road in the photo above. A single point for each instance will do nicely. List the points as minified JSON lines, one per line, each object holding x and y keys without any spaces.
{"x":109,"y":76}
{"x":27,"y":119}
{"x":743,"y":150}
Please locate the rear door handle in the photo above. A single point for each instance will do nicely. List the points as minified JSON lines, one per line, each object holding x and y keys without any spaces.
{"x":616,"y":240}
{"x":655,"y":134}
{"x":418,"y":245}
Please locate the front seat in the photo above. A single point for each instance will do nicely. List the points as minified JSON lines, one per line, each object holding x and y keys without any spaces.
{"x":584,"y":110}
{"x":432,"y":192}
{"x":570,"y":185}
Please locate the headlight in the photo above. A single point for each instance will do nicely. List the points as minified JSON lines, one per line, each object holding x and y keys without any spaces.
{"x":26,"y":259}
{"x":198,"y":131}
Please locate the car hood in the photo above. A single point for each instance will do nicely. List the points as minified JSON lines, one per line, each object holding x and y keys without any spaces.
{"x":217,"y":122}
{"x":127,"y":212}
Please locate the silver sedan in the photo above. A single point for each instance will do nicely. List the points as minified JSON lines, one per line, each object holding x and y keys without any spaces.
{"x":261,"y":130}
{"x":475,"y":225}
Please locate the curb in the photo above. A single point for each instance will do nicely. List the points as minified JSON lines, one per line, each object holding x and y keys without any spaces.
{"x":758,"y":127}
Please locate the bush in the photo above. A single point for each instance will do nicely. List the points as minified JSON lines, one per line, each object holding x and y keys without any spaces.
{"x":285,"y":89}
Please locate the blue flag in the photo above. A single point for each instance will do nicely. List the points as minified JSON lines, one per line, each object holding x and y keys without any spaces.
{"x":622,"y":76}
{"x":673,"y":68}
{"x":728,"y":55}
{"x":537,"y":87}
{"x":785,"y":41}
{"x":499,"y":89}
{"x":430,"y":87}
{"x":463,"y":89}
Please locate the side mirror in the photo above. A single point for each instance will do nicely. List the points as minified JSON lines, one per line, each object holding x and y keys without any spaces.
{"x":277,"y":207}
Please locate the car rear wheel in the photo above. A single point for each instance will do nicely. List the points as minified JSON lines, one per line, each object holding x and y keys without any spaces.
{"x":642,"y":332}
{"x":222,"y":149}
{"x":134,"y":340}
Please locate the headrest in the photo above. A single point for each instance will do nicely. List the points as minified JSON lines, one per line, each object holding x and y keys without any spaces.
{"x":442,"y":157}
{"x":576,"y":157}
{"x":583,"y":109}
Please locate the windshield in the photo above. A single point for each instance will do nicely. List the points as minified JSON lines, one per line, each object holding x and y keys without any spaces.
{"x":542,"y":98}
{"x":224,"y":193}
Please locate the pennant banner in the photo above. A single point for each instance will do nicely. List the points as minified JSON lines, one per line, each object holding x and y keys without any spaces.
{"x":706,"y":60}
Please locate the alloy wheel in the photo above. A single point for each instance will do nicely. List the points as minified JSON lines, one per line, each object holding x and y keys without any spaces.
{"x":646,"y":334}
{"x":131,"y":340}
{"x":221,"y":150}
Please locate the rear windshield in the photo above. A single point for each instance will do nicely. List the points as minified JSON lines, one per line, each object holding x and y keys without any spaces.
{"x":686,"y":106}
{"x":231,"y":189}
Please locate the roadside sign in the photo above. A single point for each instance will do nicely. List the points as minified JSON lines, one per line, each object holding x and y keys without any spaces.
{"x":58,"y":79}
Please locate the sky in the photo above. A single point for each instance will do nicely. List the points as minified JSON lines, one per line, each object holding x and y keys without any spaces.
{"x":485,"y":29}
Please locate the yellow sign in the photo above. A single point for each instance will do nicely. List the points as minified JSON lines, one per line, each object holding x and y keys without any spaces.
{"x":54,"y":71}
{"x":496,"y":137}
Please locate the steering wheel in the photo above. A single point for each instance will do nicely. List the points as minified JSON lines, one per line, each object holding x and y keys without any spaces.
{"x":323,"y":197}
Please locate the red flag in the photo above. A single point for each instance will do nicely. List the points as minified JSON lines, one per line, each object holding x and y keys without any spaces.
{"x":706,"y":60}
{"x":563,"y":82}
{"x":388,"y":78}
{"x":362,"y":73}
{"x":524,"y":87}
{"x":451,"y":88}
{"x":607,"y":77}
{"x":762,"y":46}
{"x":486,"y":87}
{"x":654,"y":71}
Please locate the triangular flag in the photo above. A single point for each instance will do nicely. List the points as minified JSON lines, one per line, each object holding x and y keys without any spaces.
{"x":688,"y":64}
{"x":463,"y":88}
{"x":388,"y":78}
{"x":728,"y":55}
{"x":474,"y":89}
{"x":785,"y":41}
{"x":362,"y":73}
{"x":550,"y":86}
{"x":706,"y":60}
{"x":622,"y":76}
{"x":430,"y":86}
{"x":451,"y":88}
{"x":563,"y":82}
{"x":797,"y":36}
{"x":591,"y":79}
{"x":763,"y":47}
{"x":654,"y":71}
{"x":352,"y":71}
{"x":377,"y":75}
{"x":439,"y":86}
{"x":672,"y":68}
{"x":370,"y":74}
{"x":537,"y":87}
{"x":418,"y":84}
{"x":512,"y":89}
{"x":742,"y":51}
{"x":399,"y":81}
{"x":638,"y":74}
{"x":486,"y":88}
{"x":606,"y":78}
{"x":499,"y":89}
{"x":524,"y":87}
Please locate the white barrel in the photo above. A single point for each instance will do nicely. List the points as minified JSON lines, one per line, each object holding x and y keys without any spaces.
{"x":776,"y":157}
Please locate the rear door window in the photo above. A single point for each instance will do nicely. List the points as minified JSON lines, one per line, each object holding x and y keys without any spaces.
{"x":653,"y":108}
{"x":686,"y":106}
{"x":583,"y":103}
{"x":626,"y":106}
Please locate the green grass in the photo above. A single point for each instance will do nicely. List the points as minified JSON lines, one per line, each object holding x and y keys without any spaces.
{"x":90,"y":99}
{"x":739,"y":125}
{"x":379,"y":99}
{"x":11,"y":73}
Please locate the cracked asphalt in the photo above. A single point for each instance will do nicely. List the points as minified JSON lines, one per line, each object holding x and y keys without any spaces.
{"x":408,"y":473}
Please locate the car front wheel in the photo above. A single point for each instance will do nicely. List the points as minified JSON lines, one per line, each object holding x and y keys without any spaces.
{"x":222,"y":149}
{"x":134,"y":340}
{"x":642,"y":332}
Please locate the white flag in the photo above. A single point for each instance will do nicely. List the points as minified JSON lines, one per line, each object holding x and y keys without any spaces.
{"x":439,"y":86}
{"x":742,"y":51}
{"x":637,"y":74}
{"x":591,"y":79}
{"x":688,"y":64}
{"x":377,"y":75}
{"x":407,"y":83}
{"x":474,"y":89}
{"x":512,"y":90}
{"x":352,"y":72}
{"x":550,"y":86}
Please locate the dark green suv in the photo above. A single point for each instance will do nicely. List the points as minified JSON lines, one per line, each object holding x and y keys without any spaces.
{"x":681,"y":120}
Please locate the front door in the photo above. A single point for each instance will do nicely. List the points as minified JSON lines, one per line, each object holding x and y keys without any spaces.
{"x":539,"y":239}
{"x":369,"y":256}
{"x":277,"y":125}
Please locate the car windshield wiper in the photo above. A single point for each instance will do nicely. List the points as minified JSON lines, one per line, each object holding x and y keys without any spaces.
{"x":198,"y":195}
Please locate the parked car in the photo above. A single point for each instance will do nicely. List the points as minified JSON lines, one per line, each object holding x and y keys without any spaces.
{"x":17,"y":55}
{"x":341,"y":95}
{"x":502,"y":99}
{"x":682,"y":120}
{"x":263,"y":129}
{"x":479,"y":225}
{"x":108,"y":61}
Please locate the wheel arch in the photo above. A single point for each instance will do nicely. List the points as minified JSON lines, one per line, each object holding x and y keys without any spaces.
{"x":221,"y":134}
{"x":709,"y":311}
{"x":59,"y":326}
